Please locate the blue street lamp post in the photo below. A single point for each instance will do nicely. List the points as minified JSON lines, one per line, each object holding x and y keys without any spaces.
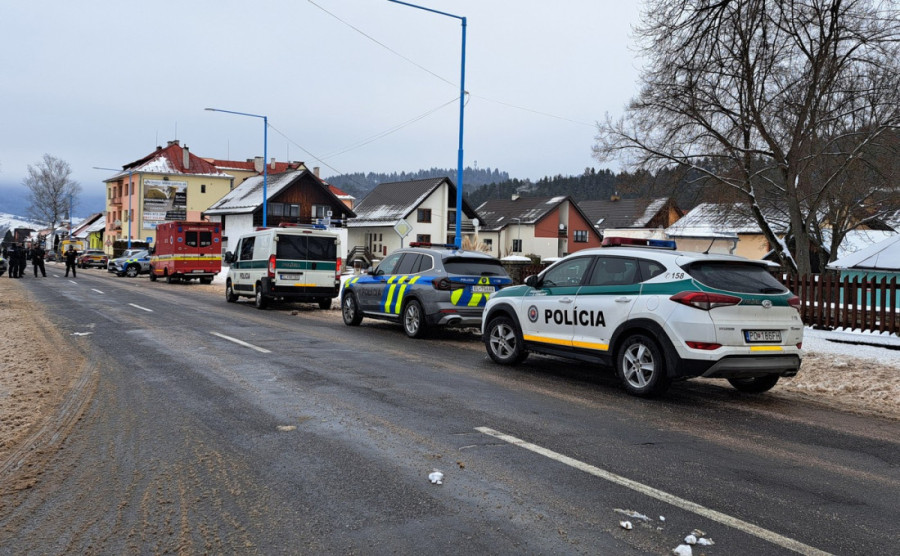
{"x":265,"y":155}
{"x":130,"y":206}
{"x":462,"y":93}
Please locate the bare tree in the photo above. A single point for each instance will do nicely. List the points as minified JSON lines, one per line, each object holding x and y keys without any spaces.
{"x":51,"y":192}
{"x":756,"y":94}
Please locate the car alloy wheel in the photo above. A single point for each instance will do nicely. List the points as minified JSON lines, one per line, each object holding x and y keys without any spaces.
{"x":414,"y":319}
{"x":641,"y":367}
{"x":503,"y":342}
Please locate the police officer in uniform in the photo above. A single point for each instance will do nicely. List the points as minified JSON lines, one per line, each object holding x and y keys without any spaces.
{"x":37,"y":260}
{"x":71,"y":258}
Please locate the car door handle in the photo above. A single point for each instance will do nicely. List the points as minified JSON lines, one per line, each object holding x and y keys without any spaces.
{"x":623,"y":299}
{"x":565,"y":300}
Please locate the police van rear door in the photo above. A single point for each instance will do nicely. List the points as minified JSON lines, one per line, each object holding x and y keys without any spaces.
{"x":306,"y":260}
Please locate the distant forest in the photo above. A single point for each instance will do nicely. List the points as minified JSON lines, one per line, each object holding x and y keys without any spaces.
{"x":480,"y":185}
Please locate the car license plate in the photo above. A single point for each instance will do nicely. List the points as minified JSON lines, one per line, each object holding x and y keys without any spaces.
{"x":291,"y":276}
{"x":482,"y":289}
{"x":753,"y":336}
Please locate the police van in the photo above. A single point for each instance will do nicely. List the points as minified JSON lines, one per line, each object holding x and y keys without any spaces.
{"x":299,"y":263}
{"x":655,"y":315}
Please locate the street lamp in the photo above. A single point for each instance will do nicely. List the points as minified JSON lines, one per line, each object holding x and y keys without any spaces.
{"x":130,"y":206}
{"x":462,"y":93}
{"x":265,"y":154}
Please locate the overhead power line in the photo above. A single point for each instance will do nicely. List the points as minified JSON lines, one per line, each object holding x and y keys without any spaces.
{"x":426,"y":70}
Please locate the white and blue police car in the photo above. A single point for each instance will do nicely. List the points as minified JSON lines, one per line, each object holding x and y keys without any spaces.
{"x":654,"y":314}
{"x":424,"y":286}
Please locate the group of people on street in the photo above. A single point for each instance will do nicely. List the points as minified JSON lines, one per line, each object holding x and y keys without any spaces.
{"x":17,"y":257}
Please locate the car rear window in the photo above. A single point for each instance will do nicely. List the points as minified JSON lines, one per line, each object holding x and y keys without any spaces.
{"x":473,"y":266}
{"x":735,"y":276}
{"x":306,"y":248}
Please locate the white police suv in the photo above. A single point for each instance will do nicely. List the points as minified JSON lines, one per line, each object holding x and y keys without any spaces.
{"x":653,"y":313}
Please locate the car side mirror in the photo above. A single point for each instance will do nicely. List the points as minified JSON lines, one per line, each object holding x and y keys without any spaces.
{"x":229,"y":257}
{"x":533,"y":281}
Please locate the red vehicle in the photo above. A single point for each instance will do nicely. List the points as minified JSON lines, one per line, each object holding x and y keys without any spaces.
{"x":187,"y":250}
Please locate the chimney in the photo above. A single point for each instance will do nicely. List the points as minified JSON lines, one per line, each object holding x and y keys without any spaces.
{"x":258,"y":164}
{"x":170,"y":143}
{"x":272,"y":164}
{"x":316,"y":171}
{"x":187,"y":157}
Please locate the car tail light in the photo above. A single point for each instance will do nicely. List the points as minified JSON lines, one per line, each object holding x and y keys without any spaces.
{"x":800,"y":345}
{"x":708,"y":346}
{"x":337,"y":269}
{"x":794,"y":302}
{"x":705,"y":301}
{"x":271,"y":268}
{"x":442,"y":284}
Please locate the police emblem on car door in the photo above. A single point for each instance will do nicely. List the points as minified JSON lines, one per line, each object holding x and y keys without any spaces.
{"x":549,"y":308}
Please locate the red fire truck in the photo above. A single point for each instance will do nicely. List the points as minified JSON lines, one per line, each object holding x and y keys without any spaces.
{"x":187,"y":250}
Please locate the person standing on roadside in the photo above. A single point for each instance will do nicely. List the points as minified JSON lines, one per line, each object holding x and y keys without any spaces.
{"x":20,"y":260}
{"x":37,"y":261}
{"x":9,"y":253}
{"x":71,"y":258}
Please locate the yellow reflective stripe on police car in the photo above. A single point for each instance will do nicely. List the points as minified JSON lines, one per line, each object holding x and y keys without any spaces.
{"x":590,"y":345}
{"x":398,"y":285}
{"x":545,"y":340}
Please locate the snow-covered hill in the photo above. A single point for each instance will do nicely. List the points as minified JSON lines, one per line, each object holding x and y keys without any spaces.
{"x":12,"y":221}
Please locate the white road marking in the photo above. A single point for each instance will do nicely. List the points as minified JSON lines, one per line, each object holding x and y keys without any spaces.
{"x":96,"y":290}
{"x":240,"y":342}
{"x":724,"y":519}
{"x":141,"y":308}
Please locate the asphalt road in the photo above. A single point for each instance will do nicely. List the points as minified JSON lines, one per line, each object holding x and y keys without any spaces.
{"x":315,"y":437}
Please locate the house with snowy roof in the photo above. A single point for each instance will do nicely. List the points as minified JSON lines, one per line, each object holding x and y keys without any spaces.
{"x":294,"y":197}
{"x":171,"y":183}
{"x":252,"y":167}
{"x":394,"y":214}
{"x":91,"y":230}
{"x":548,"y":227}
{"x":726,"y":228}
{"x":632,"y":217}
{"x":879,"y":261}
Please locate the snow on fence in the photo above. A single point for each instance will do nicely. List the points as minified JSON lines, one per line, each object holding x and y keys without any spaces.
{"x":867,"y":304}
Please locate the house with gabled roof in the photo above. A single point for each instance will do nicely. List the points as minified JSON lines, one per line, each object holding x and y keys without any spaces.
{"x":242,"y":170}
{"x":727,"y":228}
{"x":294,"y":197}
{"x":425,"y":210}
{"x":171,"y":183}
{"x":91,"y":230}
{"x":544,"y":226}
{"x":615,"y":213}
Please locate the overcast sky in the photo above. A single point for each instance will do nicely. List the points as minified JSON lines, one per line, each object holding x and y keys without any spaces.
{"x":347,"y":85}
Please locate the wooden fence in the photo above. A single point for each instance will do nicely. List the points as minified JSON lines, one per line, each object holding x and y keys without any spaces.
{"x":866,"y":304}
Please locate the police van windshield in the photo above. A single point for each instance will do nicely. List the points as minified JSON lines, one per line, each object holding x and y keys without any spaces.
{"x":474,"y":266}
{"x":735,"y":277}
{"x":306,"y":248}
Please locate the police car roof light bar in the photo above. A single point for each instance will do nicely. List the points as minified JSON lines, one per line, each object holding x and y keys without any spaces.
{"x":638,"y":242}
{"x":427,"y":244}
